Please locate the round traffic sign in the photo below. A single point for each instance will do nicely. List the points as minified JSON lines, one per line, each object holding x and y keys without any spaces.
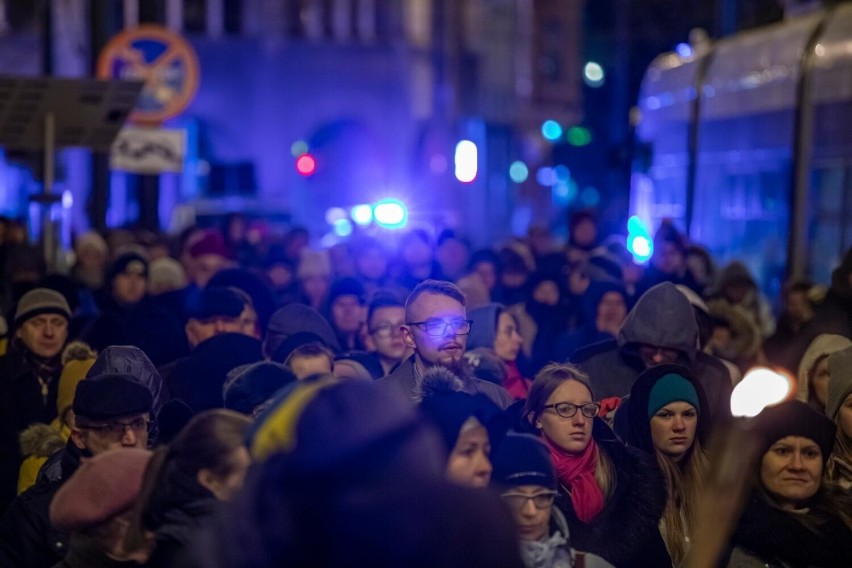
{"x":161,"y":58}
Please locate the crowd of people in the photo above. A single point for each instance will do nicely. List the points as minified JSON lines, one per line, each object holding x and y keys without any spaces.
{"x":231,"y":399}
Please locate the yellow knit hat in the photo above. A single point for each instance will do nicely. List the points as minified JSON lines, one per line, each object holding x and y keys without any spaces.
{"x":73,"y":372}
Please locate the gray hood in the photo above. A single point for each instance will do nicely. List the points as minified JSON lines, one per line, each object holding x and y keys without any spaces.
{"x":662,"y":317}
{"x":484,"y":329}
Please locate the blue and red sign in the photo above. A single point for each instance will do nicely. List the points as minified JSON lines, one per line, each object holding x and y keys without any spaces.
{"x":161,"y":58}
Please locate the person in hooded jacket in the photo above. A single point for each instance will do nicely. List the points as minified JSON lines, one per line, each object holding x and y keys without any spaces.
{"x":183,"y":488}
{"x":737,"y":288}
{"x":612,"y":496}
{"x":665,"y":416}
{"x":794,"y":518}
{"x":605,"y":307}
{"x":839,"y":409}
{"x":814,"y":373}
{"x":661,"y":328}
{"x":496,"y":329}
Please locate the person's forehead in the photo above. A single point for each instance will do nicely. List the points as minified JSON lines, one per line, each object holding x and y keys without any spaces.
{"x":43,"y":318}
{"x":429,"y":305}
{"x":389,"y":313}
{"x":797,"y":441}
{"x":122,"y":418}
{"x":348,"y":299}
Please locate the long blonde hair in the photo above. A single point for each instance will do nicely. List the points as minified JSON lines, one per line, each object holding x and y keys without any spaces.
{"x":683,"y":481}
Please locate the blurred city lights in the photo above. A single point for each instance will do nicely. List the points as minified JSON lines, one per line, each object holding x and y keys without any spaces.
{"x":390,"y":214}
{"x":519,"y":172}
{"x":67,"y":199}
{"x":590,"y":197}
{"x":562,"y":172}
{"x":545,"y":176}
{"x":362,"y":214}
{"x":306,"y":165}
{"x":466,"y":162}
{"x":639,"y":240}
{"x":551,"y":130}
{"x":760,"y":387}
{"x":334,"y":214}
{"x":343,"y":227}
{"x":579,"y":136}
{"x":298,"y":148}
{"x":593,"y":74}
{"x":684,"y":50}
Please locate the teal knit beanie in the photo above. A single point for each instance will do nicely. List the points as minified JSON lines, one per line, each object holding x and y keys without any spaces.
{"x":671,"y":388}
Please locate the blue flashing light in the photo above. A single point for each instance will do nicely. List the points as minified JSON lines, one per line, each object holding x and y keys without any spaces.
{"x":562,"y":172}
{"x":334,"y":214}
{"x":519,"y":172}
{"x":466,"y":160}
{"x":593,"y":74}
{"x":684,"y":50}
{"x":639,"y":240}
{"x":342,"y":228}
{"x":390,"y":214}
{"x":551,"y":130}
{"x":362,"y":214}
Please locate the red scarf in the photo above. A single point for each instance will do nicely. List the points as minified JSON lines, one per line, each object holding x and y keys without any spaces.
{"x":577,"y":473}
{"x":515,"y":383}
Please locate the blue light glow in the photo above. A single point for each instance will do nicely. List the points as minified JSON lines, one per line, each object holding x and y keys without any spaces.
{"x":334,"y":214}
{"x":684,"y":50}
{"x":551,"y":130}
{"x":362,"y":214}
{"x":593,"y":74}
{"x":639,"y":240}
{"x":519,"y":172}
{"x":590,"y":197}
{"x":562,"y":172}
{"x":390,"y":214}
{"x":342,"y":227}
{"x":466,"y":160}
{"x":545,"y":176}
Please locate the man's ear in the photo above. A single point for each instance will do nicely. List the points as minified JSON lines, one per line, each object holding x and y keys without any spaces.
{"x":78,"y":438}
{"x":408,"y":337}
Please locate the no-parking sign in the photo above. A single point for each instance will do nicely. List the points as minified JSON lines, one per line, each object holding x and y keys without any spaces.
{"x":161,"y":58}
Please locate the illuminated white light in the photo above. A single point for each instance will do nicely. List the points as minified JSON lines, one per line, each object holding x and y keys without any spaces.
{"x":761,"y":387}
{"x":334,"y":214}
{"x":466,"y":160}
{"x":642,"y":247}
{"x":390,"y":213}
{"x":362,"y":214}
{"x":593,"y":74}
{"x":67,"y":199}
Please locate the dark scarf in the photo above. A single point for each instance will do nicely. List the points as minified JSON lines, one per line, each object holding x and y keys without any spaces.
{"x":45,"y":369}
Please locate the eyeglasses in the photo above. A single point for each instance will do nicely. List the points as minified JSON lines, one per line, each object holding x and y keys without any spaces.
{"x":439,"y":327}
{"x":138,"y":426}
{"x":519,"y":500}
{"x":384,"y":330}
{"x":569,"y":409}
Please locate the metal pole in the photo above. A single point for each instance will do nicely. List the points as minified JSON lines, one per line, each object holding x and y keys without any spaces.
{"x":47,"y":232}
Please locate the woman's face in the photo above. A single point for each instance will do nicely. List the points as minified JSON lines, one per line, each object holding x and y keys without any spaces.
{"x":532,"y":522}
{"x":673,"y":429}
{"x":469,"y":462}
{"x":844,"y":417}
{"x":791,"y":471}
{"x":225,"y":487}
{"x":547,"y":293}
{"x":571,"y":434}
{"x":508,"y":342}
{"x":820,"y":381}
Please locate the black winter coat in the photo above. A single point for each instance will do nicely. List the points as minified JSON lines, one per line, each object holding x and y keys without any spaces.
{"x":27,"y":539}
{"x":778,"y":538}
{"x":21,"y":404}
{"x":626,"y":532}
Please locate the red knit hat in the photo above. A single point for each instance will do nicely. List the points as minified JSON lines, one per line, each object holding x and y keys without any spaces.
{"x":100,"y":489}
{"x":210,"y":241}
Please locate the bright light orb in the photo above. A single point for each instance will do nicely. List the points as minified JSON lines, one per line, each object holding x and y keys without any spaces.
{"x":362,"y":214}
{"x":390,"y":214}
{"x":760,"y":387}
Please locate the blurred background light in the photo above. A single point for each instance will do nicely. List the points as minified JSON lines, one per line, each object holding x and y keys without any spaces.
{"x":760,"y":387}
{"x":518,"y":172}
{"x":551,"y":130}
{"x":298,"y":148}
{"x":362,"y":214}
{"x":466,"y":161}
{"x":684,"y":50}
{"x":306,"y":165}
{"x":593,"y":74}
{"x":343,"y":227}
{"x":579,"y":136}
{"x":390,"y":214}
{"x":334,"y":214}
{"x":545,"y":176}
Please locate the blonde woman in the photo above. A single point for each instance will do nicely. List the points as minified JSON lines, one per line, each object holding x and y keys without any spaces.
{"x":612,"y":496}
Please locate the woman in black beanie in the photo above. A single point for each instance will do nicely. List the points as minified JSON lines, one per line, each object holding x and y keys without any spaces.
{"x":793,"y":517}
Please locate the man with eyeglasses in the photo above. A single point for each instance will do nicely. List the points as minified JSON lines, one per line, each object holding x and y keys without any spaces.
{"x":385,"y":319}
{"x":436,"y":328}
{"x":110,"y":411}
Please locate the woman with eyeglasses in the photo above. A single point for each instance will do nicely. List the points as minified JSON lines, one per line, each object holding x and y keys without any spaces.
{"x":665,"y":416}
{"x":612,"y":496}
{"x":187,"y":481}
{"x":526,"y":480}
